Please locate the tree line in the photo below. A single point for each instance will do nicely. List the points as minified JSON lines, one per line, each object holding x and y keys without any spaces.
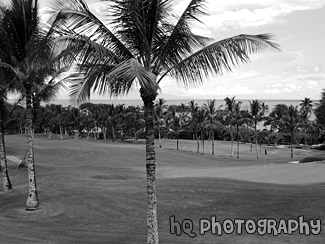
{"x":257,"y":124}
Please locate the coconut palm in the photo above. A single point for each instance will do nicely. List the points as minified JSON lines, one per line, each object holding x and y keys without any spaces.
{"x":200,"y":126}
{"x":212,"y":122}
{"x":160,"y":109}
{"x":291,"y":121}
{"x":306,"y":108}
{"x":229,"y":115}
{"x":193,"y":121}
{"x":7,"y":186}
{"x":177,"y":123}
{"x":320,"y":110}
{"x":5,"y":87}
{"x":239,"y":118}
{"x":142,"y":43}
{"x":32,"y":57}
{"x":257,"y":110}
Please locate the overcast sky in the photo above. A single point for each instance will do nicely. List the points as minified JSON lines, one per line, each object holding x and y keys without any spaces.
{"x":298,"y":71}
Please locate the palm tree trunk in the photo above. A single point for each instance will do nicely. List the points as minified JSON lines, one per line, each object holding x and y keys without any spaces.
{"x":104,"y":133}
{"x":113,"y":133}
{"x":198,"y":142}
{"x":61,"y":131}
{"x":237,"y":143}
{"x":256,"y":141}
{"x":291,"y":144}
{"x":202,"y":138}
{"x":3,"y":160}
{"x":159,"y":136}
{"x":152,"y":221}
{"x":232,"y":142}
{"x":32,"y":202}
{"x":212,"y":142}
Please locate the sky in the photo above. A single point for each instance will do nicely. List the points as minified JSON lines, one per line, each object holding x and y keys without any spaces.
{"x":298,"y":71}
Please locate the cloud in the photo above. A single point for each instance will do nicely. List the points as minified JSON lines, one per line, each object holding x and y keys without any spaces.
{"x":221,"y":90}
{"x":276,"y":85}
{"x":272,"y":91}
{"x":311,"y":84}
{"x":253,"y":13}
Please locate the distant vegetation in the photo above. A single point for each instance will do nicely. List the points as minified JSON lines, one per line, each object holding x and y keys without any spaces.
{"x":281,"y":125}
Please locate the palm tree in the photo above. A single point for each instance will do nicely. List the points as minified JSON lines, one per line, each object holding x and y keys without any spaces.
{"x":306,"y":108}
{"x":32,"y":57}
{"x":160,"y":108}
{"x":193,"y":121}
{"x":212,"y":123}
{"x":141,"y":44}
{"x":257,"y":110}
{"x":291,"y":121}
{"x":200,"y":122}
{"x":7,"y":186}
{"x":239,"y":118}
{"x":320,"y":110}
{"x":177,"y":123}
{"x":230,"y":107}
{"x":6,"y":85}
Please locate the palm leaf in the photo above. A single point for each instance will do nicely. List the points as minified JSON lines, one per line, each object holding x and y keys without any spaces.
{"x":110,"y":78}
{"x":73,"y":16}
{"x":219,"y":57}
{"x":12,"y":69}
{"x":178,"y":40}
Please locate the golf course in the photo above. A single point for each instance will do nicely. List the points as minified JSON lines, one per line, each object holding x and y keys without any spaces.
{"x":94,"y":191}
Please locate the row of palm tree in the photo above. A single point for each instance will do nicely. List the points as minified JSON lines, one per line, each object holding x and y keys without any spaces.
{"x":141,"y":44}
{"x":226,"y":122}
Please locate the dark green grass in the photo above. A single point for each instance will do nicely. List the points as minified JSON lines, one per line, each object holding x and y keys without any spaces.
{"x":95,"y":192}
{"x":312,"y":159}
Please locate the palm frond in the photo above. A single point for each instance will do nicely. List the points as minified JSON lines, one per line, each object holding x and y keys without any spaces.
{"x":178,"y":40}
{"x":105,"y":77}
{"x":219,"y":57}
{"x":74,"y":16}
{"x":12,"y":69}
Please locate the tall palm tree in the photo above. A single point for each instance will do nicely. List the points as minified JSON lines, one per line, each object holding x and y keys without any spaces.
{"x":257,"y":111}
{"x":5,"y":87}
{"x":177,"y":123}
{"x":142,"y":43}
{"x":212,"y":120}
{"x":291,"y":121}
{"x":320,"y":110}
{"x":7,"y":186}
{"x":193,"y":121}
{"x":306,"y":108}
{"x":239,"y":118}
{"x":32,"y":57}
{"x":229,"y":115}
{"x":160,"y":108}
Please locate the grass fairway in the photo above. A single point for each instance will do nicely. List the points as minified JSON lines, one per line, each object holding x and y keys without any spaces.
{"x":95,"y":192}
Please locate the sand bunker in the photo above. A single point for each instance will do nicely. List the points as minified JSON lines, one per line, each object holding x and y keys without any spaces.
{"x":13,"y":159}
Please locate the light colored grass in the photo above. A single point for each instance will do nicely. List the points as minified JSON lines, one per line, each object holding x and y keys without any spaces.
{"x":95,"y":192}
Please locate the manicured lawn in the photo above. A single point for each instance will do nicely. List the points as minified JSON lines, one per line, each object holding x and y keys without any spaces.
{"x":95,"y":192}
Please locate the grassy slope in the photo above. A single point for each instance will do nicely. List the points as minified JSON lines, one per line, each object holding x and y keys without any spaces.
{"x":95,"y":192}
